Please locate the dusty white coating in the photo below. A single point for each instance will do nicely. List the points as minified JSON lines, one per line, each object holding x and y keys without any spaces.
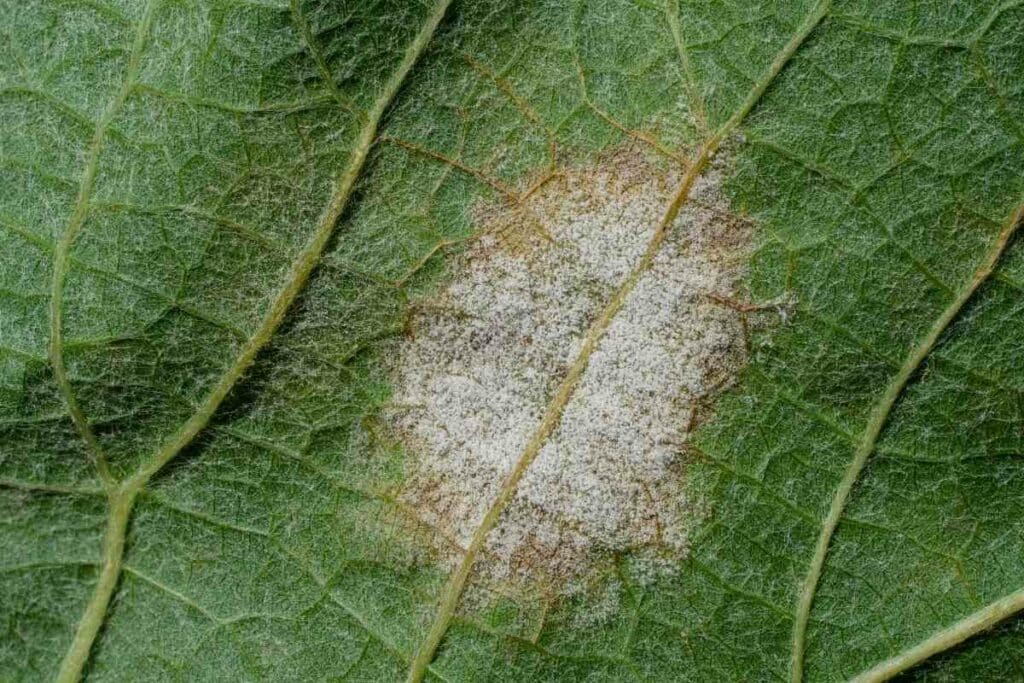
{"x":486,"y":355}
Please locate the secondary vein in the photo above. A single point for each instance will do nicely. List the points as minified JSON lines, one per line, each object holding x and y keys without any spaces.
{"x":62,"y":251}
{"x":689,"y":80}
{"x":117,"y":518}
{"x":876,"y":422}
{"x":971,"y":625}
{"x":303,"y":264}
{"x":122,"y":497}
{"x":456,"y":584}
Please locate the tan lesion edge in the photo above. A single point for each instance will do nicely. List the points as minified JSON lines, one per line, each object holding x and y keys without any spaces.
{"x":454,"y":588}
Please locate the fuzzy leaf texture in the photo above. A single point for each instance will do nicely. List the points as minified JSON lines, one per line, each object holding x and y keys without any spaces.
{"x":216,"y":214}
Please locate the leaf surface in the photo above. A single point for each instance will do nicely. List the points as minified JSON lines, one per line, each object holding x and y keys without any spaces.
{"x":216,"y":215}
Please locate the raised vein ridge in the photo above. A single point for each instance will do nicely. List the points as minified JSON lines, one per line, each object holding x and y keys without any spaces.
{"x":62,"y":250}
{"x":117,"y":518}
{"x":122,"y":497}
{"x":971,"y":625}
{"x":456,"y":584}
{"x":869,"y":438}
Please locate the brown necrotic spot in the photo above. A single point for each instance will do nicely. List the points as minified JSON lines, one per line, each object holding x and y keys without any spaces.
{"x":474,"y":381}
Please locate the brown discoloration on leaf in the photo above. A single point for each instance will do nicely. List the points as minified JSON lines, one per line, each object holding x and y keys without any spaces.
{"x":484,"y":356}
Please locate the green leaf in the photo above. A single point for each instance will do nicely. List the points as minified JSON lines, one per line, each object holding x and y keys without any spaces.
{"x":219,"y":217}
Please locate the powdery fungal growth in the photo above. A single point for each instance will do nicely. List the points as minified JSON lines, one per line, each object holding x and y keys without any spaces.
{"x":483,"y":360}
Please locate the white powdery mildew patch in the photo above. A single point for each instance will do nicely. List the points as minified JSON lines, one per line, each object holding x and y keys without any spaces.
{"x":474,"y":379}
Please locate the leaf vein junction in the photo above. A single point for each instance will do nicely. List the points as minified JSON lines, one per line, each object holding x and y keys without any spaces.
{"x":123,"y":495}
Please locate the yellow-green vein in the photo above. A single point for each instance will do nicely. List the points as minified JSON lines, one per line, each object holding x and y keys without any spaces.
{"x":693,"y":94}
{"x":123,"y":497}
{"x":971,"y":625}
{"x":62,"y":250}
{"x":876,"y":422}
{"x":453,"y":589}
{"x":303,"y":264}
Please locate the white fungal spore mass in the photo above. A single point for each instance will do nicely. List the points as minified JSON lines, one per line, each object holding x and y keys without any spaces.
{"x":485,"y":357}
